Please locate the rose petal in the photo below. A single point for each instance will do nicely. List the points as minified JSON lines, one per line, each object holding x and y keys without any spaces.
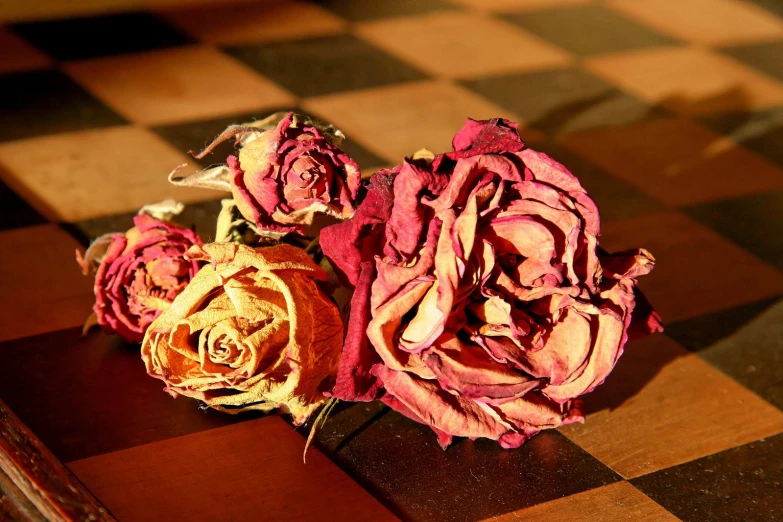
{"x":470,"y":372}
{"x":352,"y":242}
{"x":440,"y":410}
{"x":627,"y":264}
{"x":354,"y":381}
{"x":407,"y":220}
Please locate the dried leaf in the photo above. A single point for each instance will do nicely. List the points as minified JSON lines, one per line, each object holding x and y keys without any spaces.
{"x":164,"y":211}
{"x":213,"y":178}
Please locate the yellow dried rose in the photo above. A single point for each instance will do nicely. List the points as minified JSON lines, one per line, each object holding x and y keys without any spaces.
{"x":251,"y":331}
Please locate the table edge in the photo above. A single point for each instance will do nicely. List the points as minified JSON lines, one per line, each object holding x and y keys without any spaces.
{"x":37,"y":484}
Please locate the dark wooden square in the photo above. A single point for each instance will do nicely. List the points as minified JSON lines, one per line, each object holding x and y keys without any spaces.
{"x":735,"y":485}
{"x":401,"y":463}
{"x":78,"y":38}
{"x":48,"y":102}
{"x":361,"y":10}
{"x":325,"y":65}
{"x":753,"y":222}
{"x":588,"y":30}
{"x":563,"y":100}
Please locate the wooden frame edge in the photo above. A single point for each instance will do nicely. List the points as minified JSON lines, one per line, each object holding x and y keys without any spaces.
{"x":34,"y":485}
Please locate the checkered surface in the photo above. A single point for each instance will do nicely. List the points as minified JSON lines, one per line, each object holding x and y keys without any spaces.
{"x":669,"y":111}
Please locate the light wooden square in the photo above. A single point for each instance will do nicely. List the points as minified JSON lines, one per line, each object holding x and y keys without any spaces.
{"x":676,"y":408}
{"x":517,"y":5}
{"x":716,"y":22}
{"x":462,"y":45}
{"x":255,"y":22}
{"x":246,"y":480}
{"x":177,"y":85}
{"x":86,"y":174}
{"x":615,"y":502}
{"x":689,"y":80}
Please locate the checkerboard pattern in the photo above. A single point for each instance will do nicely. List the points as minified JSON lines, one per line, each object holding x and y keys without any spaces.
{"x":671,"y":113}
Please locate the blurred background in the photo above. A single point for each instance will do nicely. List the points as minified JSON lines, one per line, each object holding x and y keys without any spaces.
{"x":669,"y":111}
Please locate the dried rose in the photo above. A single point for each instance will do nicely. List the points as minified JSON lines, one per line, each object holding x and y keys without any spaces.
{"x":138,"y":273}
{"x":284,"y":175}
{"x":252,"y":331}
{"x":488,"y":307}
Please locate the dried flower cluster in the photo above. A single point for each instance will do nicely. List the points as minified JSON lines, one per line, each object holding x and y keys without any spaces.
{"x":482,"y":304}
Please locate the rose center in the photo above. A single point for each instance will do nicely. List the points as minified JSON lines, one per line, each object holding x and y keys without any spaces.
{"x":307,"y":178}
{"x":165,"y":273}
{"x":223,"y":351}
{"x":155,"y":284}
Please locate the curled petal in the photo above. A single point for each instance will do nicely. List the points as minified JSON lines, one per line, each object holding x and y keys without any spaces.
{"x":627,"y":264}
{"x":487,"y":137}
{"x":468,"y":371}
{"x":440,"y":410}
{"x":407,"y":219}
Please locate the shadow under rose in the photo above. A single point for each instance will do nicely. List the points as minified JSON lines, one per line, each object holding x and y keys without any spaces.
{"x":640,"y":363}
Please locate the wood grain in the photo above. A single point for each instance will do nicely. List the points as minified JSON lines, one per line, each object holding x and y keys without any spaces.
{"x":612,"y":503}
{"x":676,"y":161}
{"x":43,"y":289}
{"x":248,"y":471}
{"x":84,"y":396}
{"x":697,"y":271}
{"x":35,"y":485}
{"x":109,"y":161}
{"x":436,"y":43}
{"x":663,"y":406}
{"x":176,"y":85}
{"x":14,"y":505}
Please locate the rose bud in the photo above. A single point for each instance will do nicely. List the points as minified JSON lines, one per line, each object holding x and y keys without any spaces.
{"x":252,"y":331}
{"x":287,"y":170}
{"x":138,"y":274}
{"x":487,"y":305}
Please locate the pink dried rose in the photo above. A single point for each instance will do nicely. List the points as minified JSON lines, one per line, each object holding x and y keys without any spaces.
{"x":287,"y":170}
{"x":488,"y":306}
{"x":138,"y":274}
